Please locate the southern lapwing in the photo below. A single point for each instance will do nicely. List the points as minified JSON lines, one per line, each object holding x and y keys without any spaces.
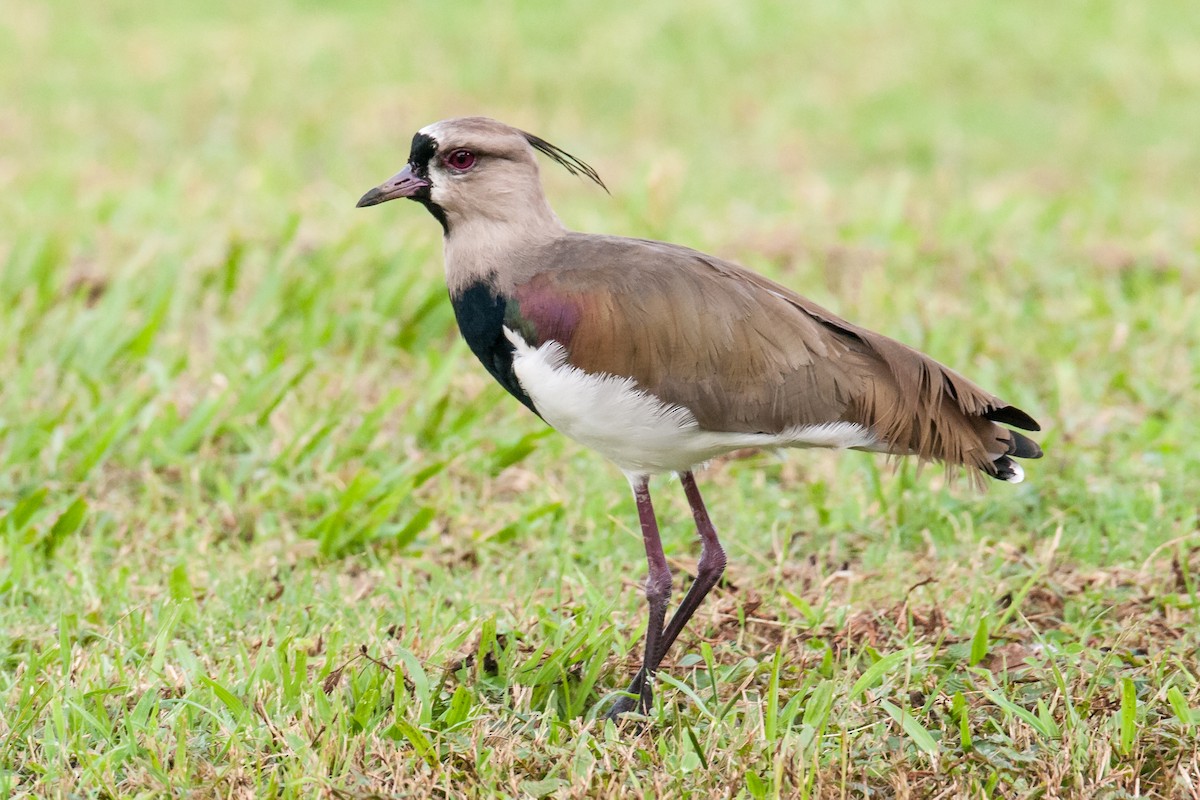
{"x":661,"y":357}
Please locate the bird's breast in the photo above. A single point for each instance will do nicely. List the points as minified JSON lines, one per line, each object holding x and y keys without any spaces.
{"x":480,"y":312}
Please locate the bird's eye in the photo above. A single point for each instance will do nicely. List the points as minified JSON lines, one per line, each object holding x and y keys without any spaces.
{"x":461,"y":160}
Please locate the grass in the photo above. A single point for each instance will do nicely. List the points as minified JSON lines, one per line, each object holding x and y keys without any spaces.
{"x":267,"y":530}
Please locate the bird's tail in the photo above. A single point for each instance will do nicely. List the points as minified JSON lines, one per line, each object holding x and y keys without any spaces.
{"x":919,"y":407}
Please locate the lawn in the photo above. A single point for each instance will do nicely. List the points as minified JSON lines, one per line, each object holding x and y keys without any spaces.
{"x":268,"y":530}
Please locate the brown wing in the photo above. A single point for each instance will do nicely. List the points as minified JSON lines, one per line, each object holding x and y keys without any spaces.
{"x":746,"y":354}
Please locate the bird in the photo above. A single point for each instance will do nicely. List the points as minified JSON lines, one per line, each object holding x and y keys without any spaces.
{"x":662,"y":358}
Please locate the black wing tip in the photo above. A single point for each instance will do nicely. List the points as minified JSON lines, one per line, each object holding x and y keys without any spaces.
{"x":1019,"y":445}
{"x":1022,"y":446}
{"x":572,"y":164}
{"x":1005,"y":469}
{"x":1011,"y":415}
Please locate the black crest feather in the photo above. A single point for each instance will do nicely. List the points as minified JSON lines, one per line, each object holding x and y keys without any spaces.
{"x":573,"y":165}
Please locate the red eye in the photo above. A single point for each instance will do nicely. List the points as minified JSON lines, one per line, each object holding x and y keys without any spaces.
{"x":461,"y":160}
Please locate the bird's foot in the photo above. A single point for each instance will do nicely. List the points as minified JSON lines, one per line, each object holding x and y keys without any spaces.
{"x":638,"y":697}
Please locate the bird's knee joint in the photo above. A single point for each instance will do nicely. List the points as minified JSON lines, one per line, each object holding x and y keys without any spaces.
{"x":711,"y":566}
{"x":658,"y":588}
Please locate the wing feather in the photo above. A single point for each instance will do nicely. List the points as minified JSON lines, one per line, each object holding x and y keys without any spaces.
{"x":745,"y":354}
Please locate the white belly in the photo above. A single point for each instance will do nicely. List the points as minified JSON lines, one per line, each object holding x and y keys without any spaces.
{"x":633,"y":428}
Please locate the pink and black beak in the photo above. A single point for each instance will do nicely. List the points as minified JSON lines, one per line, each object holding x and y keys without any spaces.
{"x":405,"y":183}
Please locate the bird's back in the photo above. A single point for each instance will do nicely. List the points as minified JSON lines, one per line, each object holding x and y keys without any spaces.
{"x":744,"y":354}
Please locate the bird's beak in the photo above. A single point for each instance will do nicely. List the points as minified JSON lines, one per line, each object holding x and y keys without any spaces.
{"x":404,"y":183}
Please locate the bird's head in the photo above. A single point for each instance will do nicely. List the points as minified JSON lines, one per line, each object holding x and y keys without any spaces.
{"x":475,"y":168}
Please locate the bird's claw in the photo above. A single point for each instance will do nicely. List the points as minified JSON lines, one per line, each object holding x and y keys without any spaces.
{"x":638,"y":697}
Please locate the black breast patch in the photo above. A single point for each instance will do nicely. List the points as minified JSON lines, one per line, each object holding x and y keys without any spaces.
{"x":480,"y":313}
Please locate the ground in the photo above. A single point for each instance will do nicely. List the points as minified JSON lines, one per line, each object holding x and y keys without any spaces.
{"x":267,"y":530}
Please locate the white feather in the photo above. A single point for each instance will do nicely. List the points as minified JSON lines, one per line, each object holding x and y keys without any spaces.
{"x":634,"y":429}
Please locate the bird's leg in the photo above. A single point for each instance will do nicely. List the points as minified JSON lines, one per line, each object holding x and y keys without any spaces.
{"x":708,"y":571}
{"x":658,"y":592}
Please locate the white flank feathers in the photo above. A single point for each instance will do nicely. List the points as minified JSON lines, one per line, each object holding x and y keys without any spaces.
{"x":637,"y":431}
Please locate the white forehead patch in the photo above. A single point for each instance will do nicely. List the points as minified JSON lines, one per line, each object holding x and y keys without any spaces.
{"x":432,"y":130}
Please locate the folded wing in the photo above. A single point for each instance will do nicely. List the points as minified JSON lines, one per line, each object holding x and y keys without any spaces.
{"x":745,"y":354}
